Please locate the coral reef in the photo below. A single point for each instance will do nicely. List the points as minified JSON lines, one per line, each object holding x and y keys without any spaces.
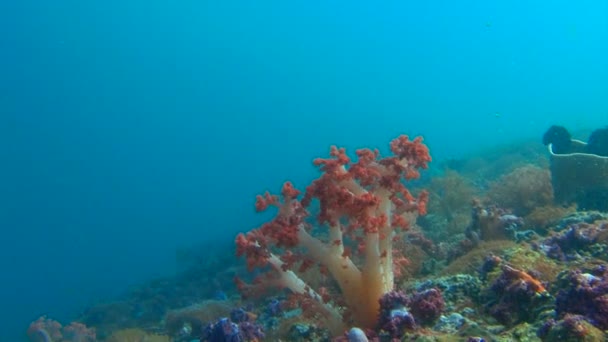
{"x":226,"y":329}
{"x":576,"y":241}
{"x":585,"y":294}
{"x":359,"y":263}
{"x":516,"y":292}
{"x":572,"y":328}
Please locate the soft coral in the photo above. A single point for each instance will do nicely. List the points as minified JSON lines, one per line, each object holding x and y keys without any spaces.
{"x":363,"y":202}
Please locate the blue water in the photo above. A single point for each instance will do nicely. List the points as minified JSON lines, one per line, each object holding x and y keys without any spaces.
{"x":130,"y":128}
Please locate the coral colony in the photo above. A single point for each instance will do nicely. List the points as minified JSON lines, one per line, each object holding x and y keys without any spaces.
{"x":513,"y":264}
{"x":360,"y":207}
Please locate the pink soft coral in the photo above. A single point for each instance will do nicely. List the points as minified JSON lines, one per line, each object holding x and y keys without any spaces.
{"x":364,"y":202}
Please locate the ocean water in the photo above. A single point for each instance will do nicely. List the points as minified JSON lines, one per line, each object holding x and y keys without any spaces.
{"x":131,"y":128}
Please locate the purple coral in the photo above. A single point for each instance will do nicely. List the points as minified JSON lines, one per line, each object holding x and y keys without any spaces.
{"x":586,"y":294}
{"x":274,"y":307}
{"x":399,"y":312}
{"x":394,"y":318}
{"x":427,"y":305}
{"x":224,"y":330}
{"x":570,"y":328}
{"x":565,"y":245}
{"x":515,"y":293}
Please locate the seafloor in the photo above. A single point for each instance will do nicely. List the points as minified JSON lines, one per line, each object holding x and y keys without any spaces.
{"x":494,"y":259}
